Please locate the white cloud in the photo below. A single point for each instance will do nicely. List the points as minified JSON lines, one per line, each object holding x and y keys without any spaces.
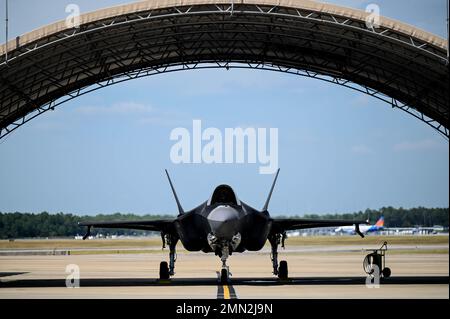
{"x":142,"y":114}
{"x":361,"y":100}
{"x":49,"y":125}
{"x":361,"y":149}
{"x":165,"y":117}
{"x":162,"y":120}
{"x":221,"y":82}
{"x":116,"y":109}
{"x":249,"y":125}
{"x":421,"y":145}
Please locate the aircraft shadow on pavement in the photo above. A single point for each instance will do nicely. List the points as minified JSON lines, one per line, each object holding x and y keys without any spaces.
{"x":6,"y":274}
{"x":142,"y":282}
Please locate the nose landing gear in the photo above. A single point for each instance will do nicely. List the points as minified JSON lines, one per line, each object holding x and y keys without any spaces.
{"x":224,"y":249}
{"x":225,"y":272}
{"x":224,"y":252}
{"x":280,"y":270}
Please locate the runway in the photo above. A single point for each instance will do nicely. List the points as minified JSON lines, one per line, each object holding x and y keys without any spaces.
{"x":324,"y":274}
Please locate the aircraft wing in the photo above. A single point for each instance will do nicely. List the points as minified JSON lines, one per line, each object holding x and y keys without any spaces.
{"x":165,"y":225}
{"x":280,"y":225}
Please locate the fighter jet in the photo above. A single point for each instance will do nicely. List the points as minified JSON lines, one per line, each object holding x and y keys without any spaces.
{"x":223,"y":225}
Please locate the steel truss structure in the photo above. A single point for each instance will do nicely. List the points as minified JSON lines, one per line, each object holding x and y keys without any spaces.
{"x":406,"y":72}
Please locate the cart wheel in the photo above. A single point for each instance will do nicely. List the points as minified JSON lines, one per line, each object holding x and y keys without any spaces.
{"x":386,"y":272}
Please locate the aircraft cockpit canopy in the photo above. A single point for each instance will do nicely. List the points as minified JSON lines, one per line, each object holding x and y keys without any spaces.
{"x":224,"y":194}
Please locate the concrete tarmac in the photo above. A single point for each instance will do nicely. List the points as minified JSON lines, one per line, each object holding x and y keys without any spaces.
{"x":322,"y":274}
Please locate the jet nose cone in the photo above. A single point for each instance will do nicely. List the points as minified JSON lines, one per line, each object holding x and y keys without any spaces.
{"x":224,"y":221}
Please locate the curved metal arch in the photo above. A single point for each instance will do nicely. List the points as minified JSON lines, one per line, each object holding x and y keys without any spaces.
{"x":416,"y":56}
{"x":185,"y":8}
{"x":52,"y":105}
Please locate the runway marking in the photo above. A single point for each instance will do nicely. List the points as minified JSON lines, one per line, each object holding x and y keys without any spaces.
{"x":219,"y":292}
{"x":6,"y":274}
{"x":225,"y":291}
{"x":233,"y":293}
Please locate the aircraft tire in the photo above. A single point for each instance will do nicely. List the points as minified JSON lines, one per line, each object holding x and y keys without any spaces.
{"x":163,"y":270}
{"x":224,"y":276}
{"x":283,"y":270}
{"x":386,"y":272}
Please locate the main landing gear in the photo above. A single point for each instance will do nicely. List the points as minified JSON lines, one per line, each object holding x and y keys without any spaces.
{"x":167,"y":270}
{"x":280,"y":270}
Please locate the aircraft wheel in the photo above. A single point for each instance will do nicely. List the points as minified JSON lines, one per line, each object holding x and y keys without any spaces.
{"x":163,"y":270}
{"x":386,"y":272}
{"x":224,"y":276}
{"x":283,"y":270}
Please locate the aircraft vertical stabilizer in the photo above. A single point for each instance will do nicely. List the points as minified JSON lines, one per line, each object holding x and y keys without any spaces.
{"x":266,"y":205}
{"x":180,"y":209}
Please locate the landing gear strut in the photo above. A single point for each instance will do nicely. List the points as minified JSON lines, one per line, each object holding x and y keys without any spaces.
{"x":225,"y":272}
{"x":165,"y":271}
{"x":282,"y":270}
{"x":224,"y":249}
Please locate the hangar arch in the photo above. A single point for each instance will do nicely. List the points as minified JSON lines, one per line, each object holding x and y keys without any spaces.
{"x":395,"y":62}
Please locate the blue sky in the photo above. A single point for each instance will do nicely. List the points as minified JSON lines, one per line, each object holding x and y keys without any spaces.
{"x":339,"y":151}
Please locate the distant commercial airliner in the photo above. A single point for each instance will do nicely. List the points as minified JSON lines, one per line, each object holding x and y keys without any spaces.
{"x":223,"y":225}
{"x":379,"y":225}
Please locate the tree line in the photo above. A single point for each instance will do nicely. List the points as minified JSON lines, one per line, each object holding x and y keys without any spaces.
{"x":396,"y":217}
{"x":29,"y":225}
